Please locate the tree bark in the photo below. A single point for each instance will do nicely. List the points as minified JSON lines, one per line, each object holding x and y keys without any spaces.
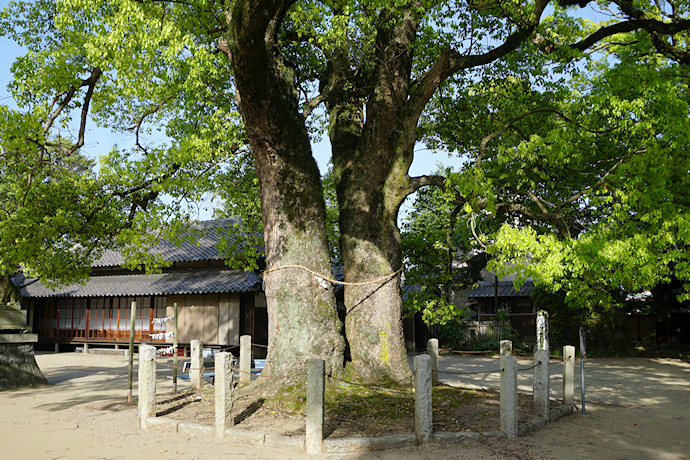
{"x":371,"y":163}
{"x":302,"y":315}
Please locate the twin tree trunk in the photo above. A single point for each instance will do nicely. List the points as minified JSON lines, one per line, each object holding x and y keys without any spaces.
{"x":370,"y":174}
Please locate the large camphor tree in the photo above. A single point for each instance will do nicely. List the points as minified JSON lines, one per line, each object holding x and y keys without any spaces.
{"x":267,"y":73}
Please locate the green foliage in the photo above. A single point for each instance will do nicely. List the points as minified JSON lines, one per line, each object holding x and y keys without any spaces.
{"x":238,"y":187}
{"x":332,"y":216}
{"x":441,"y":259}
{"x":502,"y":321}
{"x":597,"y":206}
{"x":481,"y":342}
{"x":451,"y":334}
{"x":130,"y":67}
{"x":56,"y":211}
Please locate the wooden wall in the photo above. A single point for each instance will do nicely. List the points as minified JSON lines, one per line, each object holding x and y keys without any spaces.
{"x":212,"y":318}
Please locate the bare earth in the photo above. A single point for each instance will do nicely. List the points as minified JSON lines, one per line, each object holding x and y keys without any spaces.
{"x":637,"y":408}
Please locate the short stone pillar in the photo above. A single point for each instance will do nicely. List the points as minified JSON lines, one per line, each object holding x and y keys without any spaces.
{"x":315,"y":405}
{"x":196,"y":372}
{"x":422,"y":398}
{"x":541,"y":375}
{"x":223,"y":392}
{"x":506,"y":348}
{"x":432,"y":351}
{"x":569,"y":375}
{"x":541,"y":383}
{"x":509,"y":396}
{"x":245,"y":358}
{"x":147,"y":383}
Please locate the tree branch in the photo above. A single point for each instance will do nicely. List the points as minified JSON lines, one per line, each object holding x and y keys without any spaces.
{"x":415,"y":183}
{"x":511,"y":123}
{"x":451,"y":61}
{"x":53,"y":116}
{"x":90,"y":83}
{"x":314,"y":102}
{"x":650,"y":25}
{"x":599,"y":183}
{"x":137,"y":126}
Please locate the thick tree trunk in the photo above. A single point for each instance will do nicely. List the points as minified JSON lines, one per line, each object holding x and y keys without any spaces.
{"x":372,"y":156}
{"x":302,"y":315}
{"x":370,"y":190}
{"x":370,"y":246}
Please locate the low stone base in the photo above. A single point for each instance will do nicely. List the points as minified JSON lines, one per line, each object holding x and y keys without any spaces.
{"x":18,"y":368}
{"x":109,"y":351}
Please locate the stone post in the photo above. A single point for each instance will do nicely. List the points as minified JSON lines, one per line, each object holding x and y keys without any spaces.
{"x":541,"y":369}
{"x":315,"y":405}
{"x":147,"y":383}
{"x":509,"y":396}
{"x":541,"y":383}
{"x":432,"y":351}
{"x":506,"y":348}
{"x":245,"y":358}
{"x":196,"y":372}
{"x":568,"y":375}
{"x":422,"y":397}
{"x":223,"y":392}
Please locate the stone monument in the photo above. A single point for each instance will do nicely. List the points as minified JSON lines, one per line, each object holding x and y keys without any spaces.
{"x":18,"y":366}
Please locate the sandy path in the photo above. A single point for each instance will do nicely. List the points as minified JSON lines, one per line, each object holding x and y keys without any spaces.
{"x":637,"y":409}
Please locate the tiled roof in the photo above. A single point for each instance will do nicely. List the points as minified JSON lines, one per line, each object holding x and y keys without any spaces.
{"x":505,"y":289}
{"x":195,"y":281}
{"x":208,"y":236}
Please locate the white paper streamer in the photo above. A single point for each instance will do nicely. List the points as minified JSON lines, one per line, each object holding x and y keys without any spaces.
{"x":321,"y":281}
{"x":162,"y":320}
{"x":163,"y":335}
{"x":166,"y":351}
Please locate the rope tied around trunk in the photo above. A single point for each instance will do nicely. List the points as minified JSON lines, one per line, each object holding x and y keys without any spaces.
{"x":322,"y":278}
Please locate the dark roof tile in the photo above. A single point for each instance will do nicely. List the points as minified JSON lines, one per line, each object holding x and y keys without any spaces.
{"x":205,"y":247}
{"x":197,"y":281}
{"x":505,"y":289}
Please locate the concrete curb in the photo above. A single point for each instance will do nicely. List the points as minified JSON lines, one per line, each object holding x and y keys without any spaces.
{"x":349,"y":445}
{"x":538,"y":422}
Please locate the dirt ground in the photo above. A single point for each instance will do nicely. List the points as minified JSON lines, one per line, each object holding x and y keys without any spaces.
{"x":353,"y":411}
{"x":637,"y":408}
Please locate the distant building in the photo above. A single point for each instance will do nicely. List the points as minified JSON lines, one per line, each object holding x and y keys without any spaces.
{"x":216,"y":304}
{"x":522,"y":311}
